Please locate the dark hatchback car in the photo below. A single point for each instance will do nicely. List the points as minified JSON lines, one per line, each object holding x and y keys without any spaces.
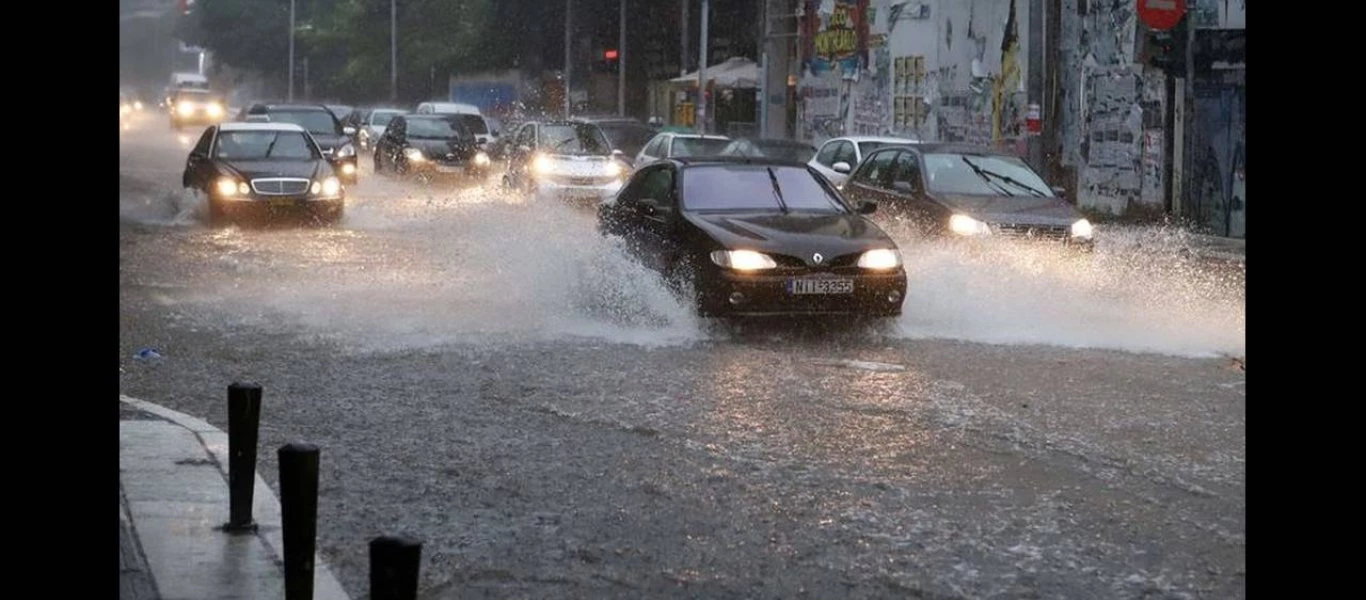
{"x":326,"y":129}
{"x":263,"y":170}
{"x":430,"y":146}
{"x":966,"y":191}
{"x":756,"y":237}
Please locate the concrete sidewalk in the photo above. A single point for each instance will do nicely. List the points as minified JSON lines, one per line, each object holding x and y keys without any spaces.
{"x":173,"y":500}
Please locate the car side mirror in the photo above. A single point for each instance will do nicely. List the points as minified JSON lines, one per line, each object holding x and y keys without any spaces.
{"x":349,"y":130}
{"x":1060,"y":191}
{"x":867,"y":207}
{"x":903,"y":187}
{"x":617,"y":152}
{"x":841,"y":167}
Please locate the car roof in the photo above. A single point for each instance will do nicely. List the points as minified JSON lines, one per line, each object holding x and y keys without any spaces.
{"x":776,"y":141}
{"x":712,"y":161}
{"x":952,"y":148}
{"x":291,"y":107}
{"x":707,"y":136}
{"x":240,"y":126}
{"x":876,"y":138}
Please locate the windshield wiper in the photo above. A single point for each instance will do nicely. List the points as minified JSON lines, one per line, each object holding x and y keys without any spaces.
{"x":271,"y":147}
{"x":1006,"y":178}
{"x":777,"y":190}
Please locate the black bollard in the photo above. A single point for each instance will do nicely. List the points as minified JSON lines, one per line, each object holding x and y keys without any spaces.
{"x":394,"y":565}
{"x":299,"y":516}
{"x":244,"y":421}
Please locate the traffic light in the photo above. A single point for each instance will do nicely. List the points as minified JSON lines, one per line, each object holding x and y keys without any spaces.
{"x":609,"y":62}
{"x":1167,"y":49}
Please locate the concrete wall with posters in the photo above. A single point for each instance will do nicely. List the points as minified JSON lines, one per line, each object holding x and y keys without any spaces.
{"x":1111,"y":132}
{"x":935,"y":70}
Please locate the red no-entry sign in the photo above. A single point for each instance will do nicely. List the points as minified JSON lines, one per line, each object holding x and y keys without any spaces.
{"x":1161,"y":15}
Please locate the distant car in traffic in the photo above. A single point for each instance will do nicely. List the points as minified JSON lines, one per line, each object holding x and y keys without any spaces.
{"x":778,"y":148}
{"x":838,"y":157}
{"x":330,"y":134}
{"x":370,"y":123}
{"x":681,"y":145}
{"x":190,"y":107}
{"x":341,"y":111}
{"x":563,"y":159}
{"x":473,"y":118}
{"x":430,"y":146}
{"x":263,"y":170}
{"x":966,"y":191}
{"x":756,"y":237}
{"x":625,"y":134}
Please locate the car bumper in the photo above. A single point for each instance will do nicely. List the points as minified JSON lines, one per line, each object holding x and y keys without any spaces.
{"x":728,"y":293}
{"x":449,"y":171}
{"x":550,"y":190}
{"x":274,"y":206}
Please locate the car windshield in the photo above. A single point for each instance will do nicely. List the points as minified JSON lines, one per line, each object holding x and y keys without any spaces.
{"x":315,"y":121}
{"x":756,"y":188}
{"x":695,"y":146}
{"x":260,"y":145}
{"x":474,"y":123}
{"x":579,"y":139}
{"x":993,"y":175}
{"x":437,"y":129}
{"x":382,"y":118}
{"x":628,"y":137}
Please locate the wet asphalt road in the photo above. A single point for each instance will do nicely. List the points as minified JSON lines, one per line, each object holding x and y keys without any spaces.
{"x":493,"y":378}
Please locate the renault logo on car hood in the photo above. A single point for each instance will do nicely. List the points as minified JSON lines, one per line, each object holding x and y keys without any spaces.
{"x":817,"y":258}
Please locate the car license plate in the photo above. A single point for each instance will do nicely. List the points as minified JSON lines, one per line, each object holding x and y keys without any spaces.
{"x":447,"y":169}
{"x":283,"y":201}
{"x":801,"y":287}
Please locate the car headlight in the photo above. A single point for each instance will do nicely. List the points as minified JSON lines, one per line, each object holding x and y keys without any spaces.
{"x":743,"y":260}
{"x":965,"y":225}
{"x":882,"y":258}
{"x":215,"y":109}
{"x":125,"y":109}
{"x":331,"y":186}
{"x":1082,"y":229}
{"x":542,"y":164}
{"x":137,"y":105}
{"x":613,"y":168}
{"x":480,"y":158}
{"x":185,"y":109}
{"x":346,"y":150}
{"x":227,"y":186}
{"x":413,"y":154}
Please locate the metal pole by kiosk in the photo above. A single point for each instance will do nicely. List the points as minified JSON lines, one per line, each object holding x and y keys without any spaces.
{"x":299,"y":516}
{"x":683,"y":37}
{"x":244,"y":418}
{"x":291,"y":50}
{"x":395,"y":563}
{"x":763,"y":70}
{"x":393,"y":50}
{"x":621,"y":63}
{"x":567,"y":17}
{"x":702,"y":112}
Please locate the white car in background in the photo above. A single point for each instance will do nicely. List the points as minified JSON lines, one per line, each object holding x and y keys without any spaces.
{"x":471,"y":117}
{"x":669,"y":145}
{"x":838,"y":157}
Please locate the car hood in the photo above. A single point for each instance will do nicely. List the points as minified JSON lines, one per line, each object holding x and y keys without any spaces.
{"x":1012,"y":210}
{"x":801,"y":235}
{"x":257,"y":169}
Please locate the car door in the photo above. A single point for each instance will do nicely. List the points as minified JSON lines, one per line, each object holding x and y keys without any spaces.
{"x":871,"y":182}
{"x":907,"y":190}
{"x":648,"y":217}
{"x":199,"y":166}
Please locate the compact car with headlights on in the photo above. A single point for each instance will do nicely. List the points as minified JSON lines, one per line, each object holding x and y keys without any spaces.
{"x":191,"y":107}
{"x":756,"y":237}
{"x":263,"y":170}
{"x":966,"y":191}
{"x":564,"y":159}
{"x":431,"y":146}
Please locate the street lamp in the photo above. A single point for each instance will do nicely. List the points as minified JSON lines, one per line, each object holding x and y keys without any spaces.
{"x":291,"y":50}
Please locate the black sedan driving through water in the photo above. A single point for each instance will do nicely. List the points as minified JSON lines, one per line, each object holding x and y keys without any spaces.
{"x":263,"y":170}
{"x":756,"y":237}
{"x":431,"y":146}
{"x":966,"y":191}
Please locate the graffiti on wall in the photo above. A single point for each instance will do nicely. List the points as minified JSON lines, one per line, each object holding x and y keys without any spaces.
{"x":982,"y":105}
{"x":1112,"y":152}
{"x":872,"y":114}
{"x":835,"y":36}
{"x":824,"y":108}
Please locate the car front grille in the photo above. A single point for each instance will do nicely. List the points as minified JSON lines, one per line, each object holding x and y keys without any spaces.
{"x":279,"y":186}
{"x":582,"y":180}
{"x":844,"y":264}
{"x":1040,"y":232}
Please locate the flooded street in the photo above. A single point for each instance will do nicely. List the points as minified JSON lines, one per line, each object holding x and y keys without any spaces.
{"x":493,"y":377}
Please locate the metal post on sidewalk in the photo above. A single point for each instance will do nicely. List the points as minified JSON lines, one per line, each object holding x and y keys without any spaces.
{"x":395,"y":563}
{"x":244,"y":421}
{"x":299,"y":516}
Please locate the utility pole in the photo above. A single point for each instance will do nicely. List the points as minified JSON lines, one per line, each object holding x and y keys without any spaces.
{"x":621,"y":62}
{"x":393,"y":50}
{"x":568,"y":7}
{"x":291,"y":50}
{"x":763,"y":68}
{"x":702,"y":112}
{"x":683,"y":37}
